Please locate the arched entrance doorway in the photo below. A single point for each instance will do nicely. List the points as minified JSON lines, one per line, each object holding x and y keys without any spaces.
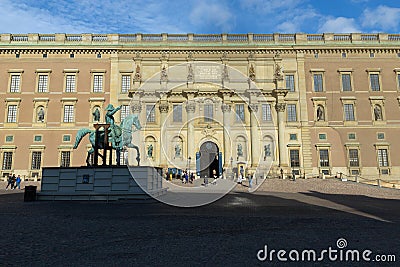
{"x":209,"y":159}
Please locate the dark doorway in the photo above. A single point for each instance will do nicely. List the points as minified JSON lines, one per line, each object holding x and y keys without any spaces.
{"x":208,"y":159}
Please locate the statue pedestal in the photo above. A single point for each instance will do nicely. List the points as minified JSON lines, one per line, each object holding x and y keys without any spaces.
{"x":101,"y":183}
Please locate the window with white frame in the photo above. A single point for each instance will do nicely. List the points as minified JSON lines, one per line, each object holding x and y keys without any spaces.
{"x":294,"y":158}
{"x":374,"y":82}
{"x":383,"y":159}
{"x":208,"y":112}
{"x":318,"y":82}
{"x":70,"y":83}
{"x":324,"y":158}
{"x":43,"y":83}
{"x":150,"y":113}
{"x":266,"y":112}
{"x":125,"y":83}
{"x":349,"y":112}
{"x":124,"y":111}
{"x":353,"y":158}
{"x":177,"y":113}
{"x":239,"y":108}
{"x":15,"y":83}
{"x":36,"y":160}
{"x":346,"y":82}
{"x":97,"y":83}
{"x":68,"y":113}
{"x":65,"y":160}
{"x":7,"y":160}
{"x":12,"y":113}
{"x":291,"y":112}
{"x":289,"y":80}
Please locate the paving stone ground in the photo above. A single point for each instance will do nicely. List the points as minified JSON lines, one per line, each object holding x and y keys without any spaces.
{"x":305,"y":214}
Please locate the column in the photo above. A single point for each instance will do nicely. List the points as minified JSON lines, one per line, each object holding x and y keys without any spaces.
{"x":280,"y":109}
{"x":164,"y":107}
{"x":190,"y":110}
{"x":255,"y":139}
{"x":226,"y":110}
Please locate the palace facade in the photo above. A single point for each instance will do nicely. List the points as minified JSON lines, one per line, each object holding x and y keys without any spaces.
{"x":302,"y":103}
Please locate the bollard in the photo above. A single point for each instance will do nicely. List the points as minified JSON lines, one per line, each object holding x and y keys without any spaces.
{"x":30,"y":193}
{"x":357,"y":179}
{"x":379,"y":182}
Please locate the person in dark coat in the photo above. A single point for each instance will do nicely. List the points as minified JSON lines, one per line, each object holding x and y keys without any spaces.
{"x":13,"y":179}
{"x":9,"y":179}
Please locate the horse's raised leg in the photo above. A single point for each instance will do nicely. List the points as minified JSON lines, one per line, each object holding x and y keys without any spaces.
{"x":137,"y":152}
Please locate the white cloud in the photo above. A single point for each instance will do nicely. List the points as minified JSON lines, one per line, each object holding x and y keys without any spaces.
{"x":339,"y":25}
{"x":382,"y":18}
{"x":217,"y":15}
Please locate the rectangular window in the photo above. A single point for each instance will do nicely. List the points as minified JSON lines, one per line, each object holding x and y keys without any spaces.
{"x":353,"y":158}
{"x":42,"y":83}
{"x":66,"y":138}
{"x":65,"y":158}
{"x":294,"y":158}
{"x":290,"y":82}
{"x":266,"y":112}
{"x":374,"y":80}
{"x":239,"y":112}
{"x":322,"y":136}
{"x":7,"y":160}
{"x":177,"y":113}
{"x":208,"y":112}
{"x":124,"y":111}
{"x":9,"y":138}
{"x":150,"y":113}
{"x":12,"y":113}
{"x":36,"y":160}
{"x":380,"y":136}
{"x":293,"y":137}
{"x":318,"y":82}
{"x":349,"y":112}
{"x":324,"y":158}
{"x":398,"y":81}
{"x":125,"y":83}
{"x":15,"y":83}
{"x":98,"y":83}
{"x":291,"y":112}
{"x":346,"y":82}
{"x":383,"y":158}
{"x":68,"y":113}
{"x":351,"y":136}
{"x":38,"y":138}
{"x":70,"y":82}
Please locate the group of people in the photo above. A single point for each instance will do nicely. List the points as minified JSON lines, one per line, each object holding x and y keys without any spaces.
{"x":187,"y":177}
{"x":13,"y":182}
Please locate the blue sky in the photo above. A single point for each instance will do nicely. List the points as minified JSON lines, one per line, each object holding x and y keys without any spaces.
{"x":199,"y":16}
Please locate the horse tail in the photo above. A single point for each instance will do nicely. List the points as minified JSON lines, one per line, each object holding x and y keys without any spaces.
{"x":79,"y":135}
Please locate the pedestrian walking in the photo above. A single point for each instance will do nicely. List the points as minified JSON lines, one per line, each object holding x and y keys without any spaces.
{"x":13,"y":179}
{"x":18,"y":182}
{"x":9,"y":179}
{"x":250,"y":181}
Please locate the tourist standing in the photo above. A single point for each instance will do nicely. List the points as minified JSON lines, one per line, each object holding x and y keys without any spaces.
{"x":250,"y":180}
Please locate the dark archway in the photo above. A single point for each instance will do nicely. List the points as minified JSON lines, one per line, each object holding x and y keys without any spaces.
{"x":209,"y":154}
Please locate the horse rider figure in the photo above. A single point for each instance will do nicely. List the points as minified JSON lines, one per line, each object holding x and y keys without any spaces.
{"x":110,"y":111}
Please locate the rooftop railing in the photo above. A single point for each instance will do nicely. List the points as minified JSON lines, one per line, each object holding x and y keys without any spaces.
{"x":191,"y":39}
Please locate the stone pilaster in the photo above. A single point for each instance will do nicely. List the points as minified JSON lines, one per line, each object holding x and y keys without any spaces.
{"x":164,"y":108}
{"x":254,"y":133}
{"x":190,"y":109}
{"x":226,"y":110}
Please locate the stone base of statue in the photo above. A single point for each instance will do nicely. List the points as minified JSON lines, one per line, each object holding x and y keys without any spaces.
{"x":104,"y":183}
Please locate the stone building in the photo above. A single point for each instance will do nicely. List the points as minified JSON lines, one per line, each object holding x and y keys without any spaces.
{"x":302,"y":103}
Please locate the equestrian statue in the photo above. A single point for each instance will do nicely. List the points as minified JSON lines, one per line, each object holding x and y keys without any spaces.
{"x":120,"y":136}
